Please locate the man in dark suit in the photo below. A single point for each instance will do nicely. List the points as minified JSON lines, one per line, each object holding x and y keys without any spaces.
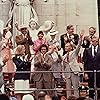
{"x":69,"y":36}
{"x":91,"y":58}
{"x":87,"y":39}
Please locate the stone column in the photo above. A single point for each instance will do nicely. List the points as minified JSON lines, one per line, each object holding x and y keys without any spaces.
{"x":4,"y":10}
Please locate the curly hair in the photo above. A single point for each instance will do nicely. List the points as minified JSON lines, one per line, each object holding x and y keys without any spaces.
{"x":43,"y":45}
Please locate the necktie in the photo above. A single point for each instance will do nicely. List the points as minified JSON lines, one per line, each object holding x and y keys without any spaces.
{"x":68,"y":57}
{"x":41,"y":42}
{"x":95,"y":51}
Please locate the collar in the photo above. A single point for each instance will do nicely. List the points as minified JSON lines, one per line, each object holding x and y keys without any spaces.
{"x":70,"y":35}
{"x":53,"y":40}
{"x":43,"y":55}
{"x":95,"y":47}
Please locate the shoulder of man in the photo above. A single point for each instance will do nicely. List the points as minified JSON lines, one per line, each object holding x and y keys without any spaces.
{"x":38,"y":55}
{"x":63,"y":34}
{"x":1,"y":65}
{"x":87,"y":49}
{"x":48,"y":55}
{"x":76,"y":35}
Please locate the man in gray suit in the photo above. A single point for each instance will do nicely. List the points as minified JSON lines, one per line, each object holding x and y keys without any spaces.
{"x":43,"y":62}
{"x":70,"y":64}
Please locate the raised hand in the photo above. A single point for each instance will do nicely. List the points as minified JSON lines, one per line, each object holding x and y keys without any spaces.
{"x":31,"y":59}
{"x":17,"y":26}
{"x":82,"y":33}
{"x":5,"y":59}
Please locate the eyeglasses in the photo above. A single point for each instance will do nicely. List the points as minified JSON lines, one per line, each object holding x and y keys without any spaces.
{"x":94,"y":41}
{"x":43,"y":49}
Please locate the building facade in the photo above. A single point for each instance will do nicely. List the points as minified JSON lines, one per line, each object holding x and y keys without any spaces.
{"x":81,"y":13}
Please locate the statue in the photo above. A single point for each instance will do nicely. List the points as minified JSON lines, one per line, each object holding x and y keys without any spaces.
{"x":33,"y":28}
{"x":1,"y":28}
{"x":46,"y":27}
{"x":22,"y":11}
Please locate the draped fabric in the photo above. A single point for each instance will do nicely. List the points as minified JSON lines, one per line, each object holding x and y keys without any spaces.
{"x":21,"y":12}
{"x":95,"y":51}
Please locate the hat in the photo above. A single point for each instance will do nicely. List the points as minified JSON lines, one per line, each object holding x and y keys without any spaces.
{"x":47,"y":26}
{"x":57,"y":44}
{"x":18,"y":50}
{"x":28,"y":97}
{"x":34,"y":20}
{"x":83,"y":88}
{"x":41,"y":94}
{"x":5,"y":29}
{"x":23,"y":26}
{"x":8,"y":27}
{"x":8,"y":35}
{"x":53,"y":32}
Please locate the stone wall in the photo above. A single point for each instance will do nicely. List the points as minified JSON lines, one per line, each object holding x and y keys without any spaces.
{"x":4,"y":10}
{"x":81,"y":13}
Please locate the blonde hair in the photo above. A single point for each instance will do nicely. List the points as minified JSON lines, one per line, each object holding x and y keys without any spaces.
{"x":18,"y":50}
{"x":94,"y":37}
{"x":93,"y":29}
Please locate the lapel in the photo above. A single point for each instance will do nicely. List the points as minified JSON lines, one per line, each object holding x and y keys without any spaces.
{"x":65,"y":35}
{"x":46,"y":58}
{"x":39,"y":56}
{"x":98,"y":50}
{"x":90,"y":52}
{"x":19,"y":59}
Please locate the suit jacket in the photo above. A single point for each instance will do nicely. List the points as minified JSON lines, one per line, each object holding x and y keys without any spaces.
{"x":72,"y":65}
{"x":90,"y":62}
{"x":42,"y":67}
{"x":21,"y":66}
{"x":86,"y":42}
{"x":76,"y":38}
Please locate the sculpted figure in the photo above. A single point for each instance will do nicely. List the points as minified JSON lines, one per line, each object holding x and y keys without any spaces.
{"x":22,"y":11}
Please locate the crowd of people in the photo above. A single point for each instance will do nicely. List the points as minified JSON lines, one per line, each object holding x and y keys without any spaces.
{"x":44,"y":62}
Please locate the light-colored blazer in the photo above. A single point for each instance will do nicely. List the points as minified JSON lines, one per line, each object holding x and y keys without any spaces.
{"x":57,"y":65}
{"x":72,"y":65}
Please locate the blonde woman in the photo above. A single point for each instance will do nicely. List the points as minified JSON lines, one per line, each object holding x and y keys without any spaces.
{"x":22,"y":64}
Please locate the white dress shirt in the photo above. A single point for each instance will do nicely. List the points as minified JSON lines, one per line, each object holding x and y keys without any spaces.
{"x":96,"y":48}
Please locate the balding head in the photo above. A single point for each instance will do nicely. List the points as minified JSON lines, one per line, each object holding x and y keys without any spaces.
{"x":95,"y":41}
